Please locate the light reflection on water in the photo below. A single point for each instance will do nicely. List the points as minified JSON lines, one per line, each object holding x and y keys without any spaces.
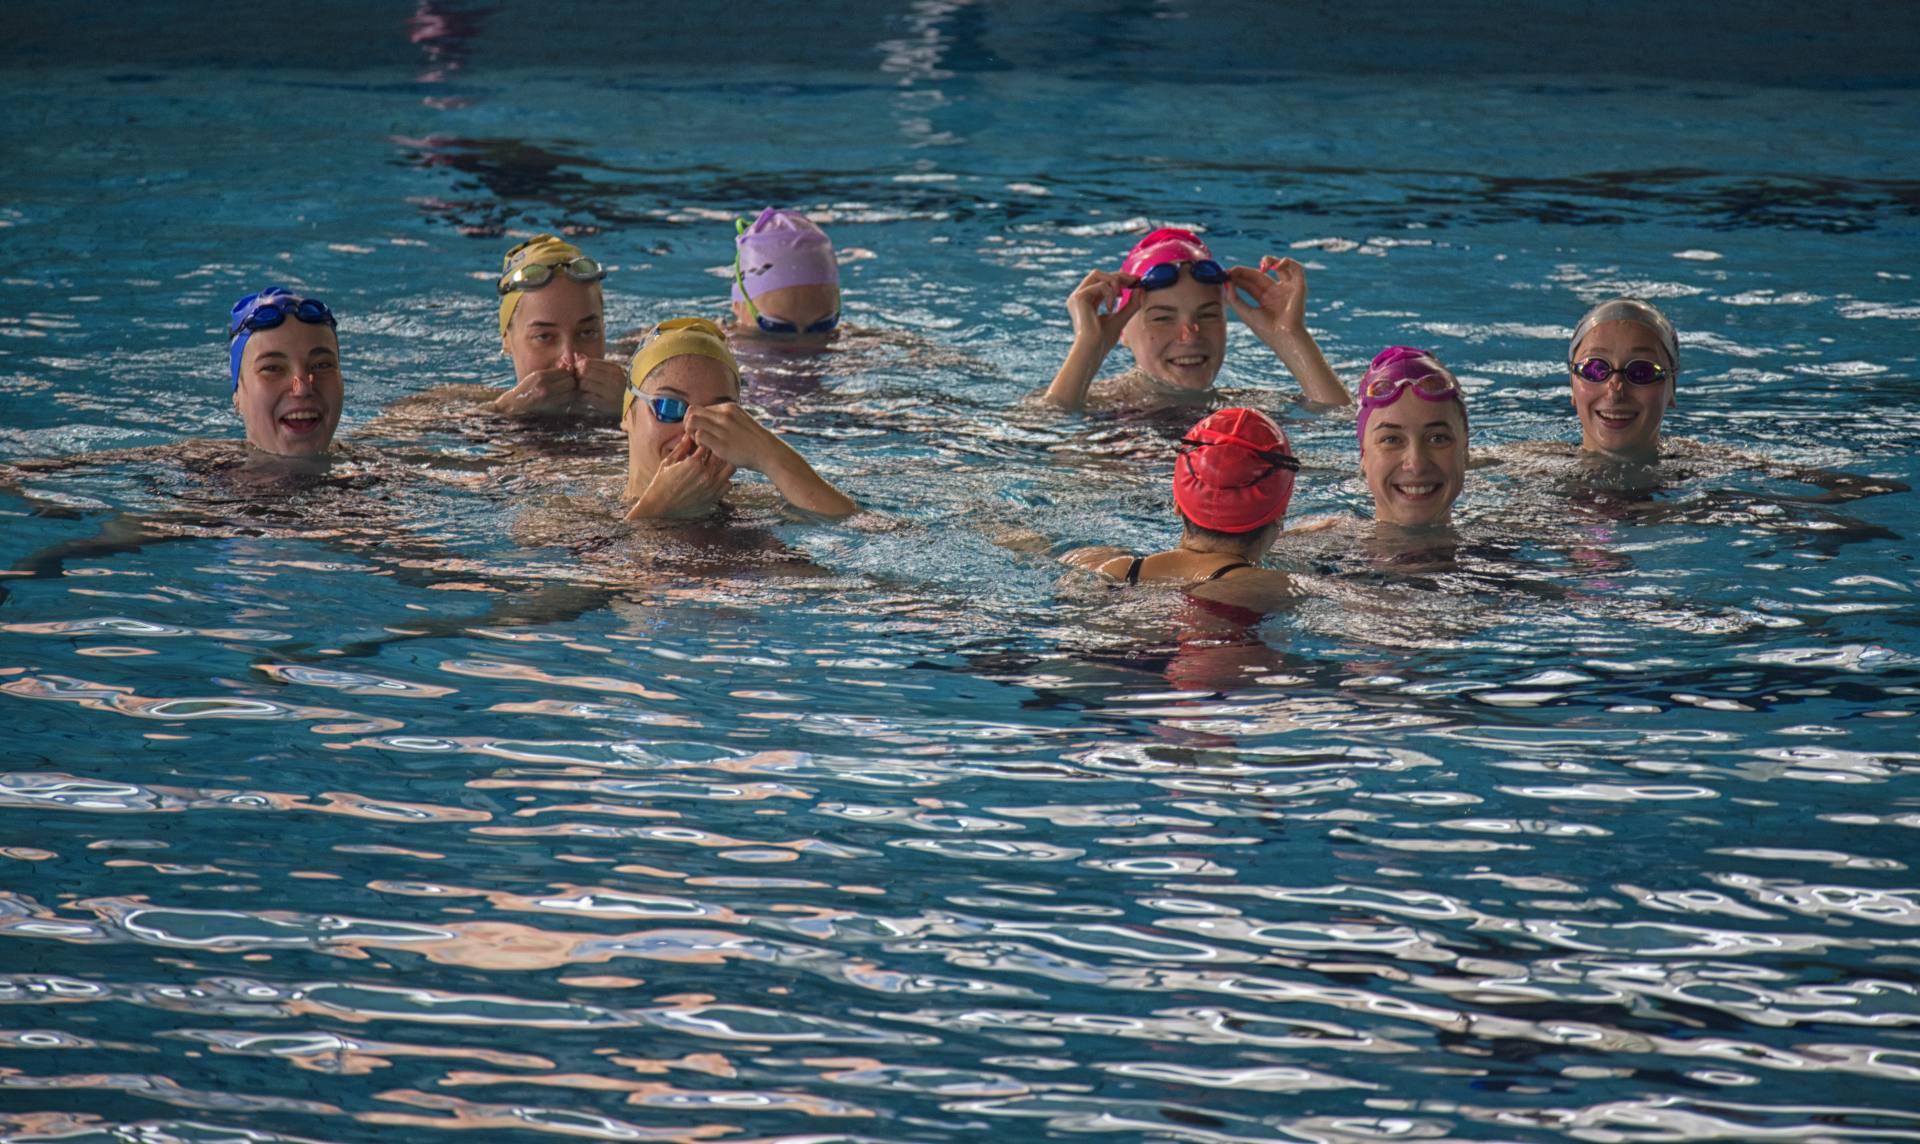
{"x":414,"y":796}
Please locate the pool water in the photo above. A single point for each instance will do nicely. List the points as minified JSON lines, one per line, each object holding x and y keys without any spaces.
{"x":413,"y":796}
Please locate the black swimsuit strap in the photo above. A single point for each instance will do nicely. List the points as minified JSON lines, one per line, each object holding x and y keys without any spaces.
{"x":1226,"y":568}
{"x":1133,"y":569}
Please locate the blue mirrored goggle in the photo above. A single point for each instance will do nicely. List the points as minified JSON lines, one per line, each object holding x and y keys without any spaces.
{"x":776,"y":326}
{"x":668,"y":409}
{"x":1165,"y":274}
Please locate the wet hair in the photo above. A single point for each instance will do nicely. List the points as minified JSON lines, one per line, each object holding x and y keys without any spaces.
{"x":1196,"y":532}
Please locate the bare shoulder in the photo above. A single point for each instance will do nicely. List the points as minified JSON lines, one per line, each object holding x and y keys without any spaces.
{"x":1254,"y":589}
{"x":1096,"y":558}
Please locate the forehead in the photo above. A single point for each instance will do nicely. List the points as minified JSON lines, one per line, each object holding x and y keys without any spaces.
{"x":562,"y":302}
{"x":294,"y":338}
{"x":1185,"y":294}
{"x":1622,"y":337}
{"x":1411,"y":411}
{"x":692,"y":376}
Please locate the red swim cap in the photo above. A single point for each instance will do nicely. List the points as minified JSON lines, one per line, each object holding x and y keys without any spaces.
{"x":1235,"y":471}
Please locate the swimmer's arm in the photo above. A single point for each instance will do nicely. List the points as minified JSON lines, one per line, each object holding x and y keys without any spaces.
{"x":1068,"y":389}
{"x":1094,"y":333}
{"x":1096,"y":558}
{"x":1843,"y":487}
{"x":1302,"y":357}
{"x":803,"y":488}
{"x":1316,"y":524}
{"x":1278,"y":317}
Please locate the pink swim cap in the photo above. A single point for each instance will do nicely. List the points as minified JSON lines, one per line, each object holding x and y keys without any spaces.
{"x":1403,"y":368}
{"x":1168,"y":244}
{"x":784,"y":248}
{"x":1235,"y":471}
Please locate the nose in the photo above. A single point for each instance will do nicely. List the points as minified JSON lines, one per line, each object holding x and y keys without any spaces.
{"x":302,"y":381}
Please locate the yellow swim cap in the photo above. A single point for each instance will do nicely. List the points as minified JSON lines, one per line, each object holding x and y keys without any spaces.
{"x":678,"y":337}
{"x":543,"y":249}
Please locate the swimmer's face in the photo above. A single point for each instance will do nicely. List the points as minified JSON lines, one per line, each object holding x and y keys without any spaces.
{"x":290,"y":390}
{"x":798,"y":306}
{"x":698,"y":381}
{"x":1180,"y":334}
{"x":561,"y":318}
{"x":1619,"y":418}
{"x":1414,"y":459}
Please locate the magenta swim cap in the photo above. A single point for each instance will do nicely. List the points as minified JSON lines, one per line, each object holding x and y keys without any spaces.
{"x":1168,"y":244}
{"x":783,"y":248}
{"x":1396,"y":369}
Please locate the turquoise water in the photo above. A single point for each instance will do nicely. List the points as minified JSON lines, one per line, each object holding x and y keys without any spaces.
{"x":350,"y":808}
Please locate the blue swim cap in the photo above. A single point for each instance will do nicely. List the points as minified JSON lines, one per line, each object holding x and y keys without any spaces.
{"x":263,"y":311}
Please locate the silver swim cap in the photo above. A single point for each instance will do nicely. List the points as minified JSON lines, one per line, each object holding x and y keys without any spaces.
{"x":1629,"y":310}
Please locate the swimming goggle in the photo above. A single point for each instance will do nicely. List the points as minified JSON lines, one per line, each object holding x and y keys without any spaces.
{"x":256,"y":313}
{"x":1432,"y":387}
{"x":669,"y":410}
{"x":1275,"y":458}
{"x":773,"y":325}
{"x":534,"y":275}
{"x":1164,"y":274}
{"x":1639,"y":371}
{"x":265,"y":310}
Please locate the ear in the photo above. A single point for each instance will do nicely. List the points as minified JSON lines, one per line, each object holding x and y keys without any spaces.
{"x":739,"y":313}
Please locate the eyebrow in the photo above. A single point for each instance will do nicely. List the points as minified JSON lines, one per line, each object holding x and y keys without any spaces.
{"x":273,"y":354}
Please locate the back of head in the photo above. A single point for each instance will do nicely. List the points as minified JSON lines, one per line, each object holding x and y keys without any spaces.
{"x":782,"y":248}
{"x":1235,"y":472}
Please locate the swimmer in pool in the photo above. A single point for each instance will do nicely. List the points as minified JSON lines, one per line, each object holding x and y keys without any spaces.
{"x":553,"y":326}
{"x":1231,"y":484}
{"x":687,"y":431}
{"x":1413,"y":438}
{"x":283,"y":354}
{"x":1623,"y":365}
{"x":1168,"y":305}
{"x":786,"y":281}
{"x":288,"y":478}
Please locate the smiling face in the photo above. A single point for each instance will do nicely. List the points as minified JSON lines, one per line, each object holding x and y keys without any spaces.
{"x":798,"y":306}
{"x":696,"y":380}
{"x":563,"y":317}
{"x":1618,"y":418}
{"x":290,"y":390}
{"x":1180,"y":334}
{"x":1414,"y":459}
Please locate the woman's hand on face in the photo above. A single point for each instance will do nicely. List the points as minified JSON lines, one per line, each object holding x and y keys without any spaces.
{"x":542,"y":391}
{"x":1280,"y":302}
{"x":731,"y":433}
{"x":688,"y":482}
{"x":1102,"y":288}
{"x":603,"y":384}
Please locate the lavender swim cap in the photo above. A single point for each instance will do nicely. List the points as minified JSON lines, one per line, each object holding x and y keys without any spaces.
{"x":783,"y":248}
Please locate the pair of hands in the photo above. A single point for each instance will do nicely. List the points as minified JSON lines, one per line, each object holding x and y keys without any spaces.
{"x":1279,"y":308}
{"x":717,"y":440}
{"x":578,"y":384}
